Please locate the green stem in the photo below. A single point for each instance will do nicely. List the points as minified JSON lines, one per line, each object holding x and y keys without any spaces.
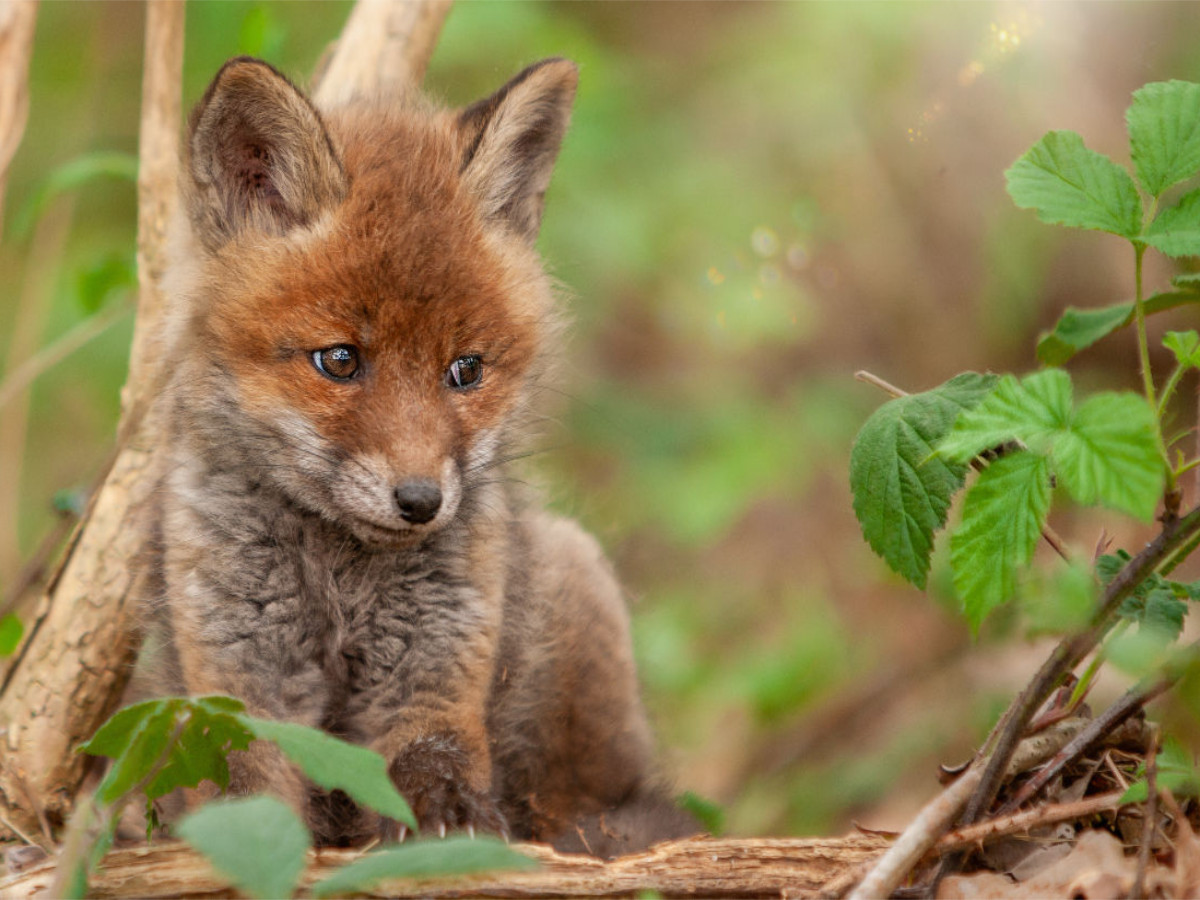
{"x":1140,"y":314}
{"x":1169,"y":390}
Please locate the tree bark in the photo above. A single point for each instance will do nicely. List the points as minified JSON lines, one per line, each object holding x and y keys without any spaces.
{"x":704,"y":867}
{"x":81,"y":643}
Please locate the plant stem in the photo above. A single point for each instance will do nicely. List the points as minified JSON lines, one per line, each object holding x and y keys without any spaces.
{"x":1140,"y":316}
{"x":1070,"y":651}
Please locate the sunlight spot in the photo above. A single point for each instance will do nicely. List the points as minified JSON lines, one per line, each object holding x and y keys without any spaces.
{"x":764,"y":241}
{"x":715,"y":276}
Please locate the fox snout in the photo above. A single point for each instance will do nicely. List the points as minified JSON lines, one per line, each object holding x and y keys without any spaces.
{"x":418,"y":500}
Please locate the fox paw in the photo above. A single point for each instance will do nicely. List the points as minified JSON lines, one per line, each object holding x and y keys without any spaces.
{"x":433,"y":775}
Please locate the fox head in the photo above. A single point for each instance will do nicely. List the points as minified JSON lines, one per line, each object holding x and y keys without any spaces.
{"x":366,"y":310}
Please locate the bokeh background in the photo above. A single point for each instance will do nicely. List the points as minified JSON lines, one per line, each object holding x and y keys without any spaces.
{"x":755,"y":200}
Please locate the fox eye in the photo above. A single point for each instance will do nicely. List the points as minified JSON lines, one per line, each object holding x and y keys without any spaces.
{"x":339,"y":363}
{"x":464,"y":372}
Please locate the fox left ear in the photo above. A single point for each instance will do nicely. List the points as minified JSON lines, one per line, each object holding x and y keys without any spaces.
{"x":512,"y":139}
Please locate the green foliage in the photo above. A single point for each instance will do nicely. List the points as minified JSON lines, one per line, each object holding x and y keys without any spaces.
{"x":1164,"y":133}
{"x":1078,"y":329}
{"x":337,"y":765}
{"x":1002,"y":519}
{"x":258,"y":842}
{"x":1186,"y":347}
{"x":1068,"y":184}
{"x":424,"y":859}
{"x":1175,"y":771}
{"x":1176,"y":230}
{"x":1157,"y":604}
{"x":11,"y":632}
{"x":160,"y":745}
{"x":1108,"y":450}
{"x":902,"y":491}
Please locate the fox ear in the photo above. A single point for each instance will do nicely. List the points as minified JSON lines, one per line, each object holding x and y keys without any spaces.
{"x":512,"y":139}
{"x":259,"y":156}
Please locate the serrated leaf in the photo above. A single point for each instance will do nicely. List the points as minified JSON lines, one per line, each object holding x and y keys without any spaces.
{"x":1184,"y":344}
{"x":1108,"y":454}
{"x":901,"y":491}
{"x":1164,"y":614}
{"x":424,"y":859}
{"x":139,"y":740}
{"x":1030,"y":411}
{"x":11,"y":632}
{"x":336,"y":765}
{"x":1002,"y":518}
{"x":1078,"y":329}
{"x":145,"y":749}
{"x":1176,"y":230}
{"x":1164,"y":133}
{"x":258,"y":842}
{"x":1068,"y":184}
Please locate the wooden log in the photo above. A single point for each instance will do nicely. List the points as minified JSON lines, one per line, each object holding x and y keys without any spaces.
{"x":704,"y":867}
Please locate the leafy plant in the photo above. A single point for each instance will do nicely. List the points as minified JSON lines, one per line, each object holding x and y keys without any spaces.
{"x":159,"y":746}
{"x":1032,"y":441}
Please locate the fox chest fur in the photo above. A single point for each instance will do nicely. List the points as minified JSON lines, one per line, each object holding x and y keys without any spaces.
{"x":362,"y":324}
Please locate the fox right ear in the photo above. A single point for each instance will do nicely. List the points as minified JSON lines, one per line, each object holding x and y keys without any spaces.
{"x":259,"y":156}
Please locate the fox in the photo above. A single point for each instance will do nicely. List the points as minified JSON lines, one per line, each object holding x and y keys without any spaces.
{"x":361,"y":323}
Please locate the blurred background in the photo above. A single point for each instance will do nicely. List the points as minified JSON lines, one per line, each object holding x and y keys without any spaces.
{"x":754,"y":201}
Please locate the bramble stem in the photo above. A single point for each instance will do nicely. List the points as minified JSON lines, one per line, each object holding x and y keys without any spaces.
{"x":1140,"y":315}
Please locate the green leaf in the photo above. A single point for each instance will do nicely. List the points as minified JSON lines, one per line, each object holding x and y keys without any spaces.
{"x":336,"y":765}
{"x":258,"y":842}
{"x":1176,"y":230}
{"x":1185,"y":345}
{"x":901,"y":491}
{"x":1030,"y":410}
{"x":1078,"y":329}
{"x":424,"y":859}
{"x":1068,"y":184}
{"x":139,"y":739}
{"x":72,"y":175}
{"x":1175,"y":770}
{"x":1002,"y":518}
{"x":11,"y":632}
{"x":1109,"y":455}
{"x":1164,"y":133}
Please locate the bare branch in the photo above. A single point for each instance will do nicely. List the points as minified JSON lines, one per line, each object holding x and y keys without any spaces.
{"x":384,"y":48}
{"x":17,"y":18}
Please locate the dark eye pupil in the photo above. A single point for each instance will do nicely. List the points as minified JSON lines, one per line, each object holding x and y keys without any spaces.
{"x":337,"y":362}
{"x":464,"y":372}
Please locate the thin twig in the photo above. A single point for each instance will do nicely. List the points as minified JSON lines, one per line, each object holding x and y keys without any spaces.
{"x":1133,"y":700}
{"x":17,"y":19}
{"x":1150,"y":814}
{"x":1021,"y":822}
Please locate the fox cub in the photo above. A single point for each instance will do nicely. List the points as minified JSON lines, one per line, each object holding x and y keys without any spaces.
{"x":363,"y":320}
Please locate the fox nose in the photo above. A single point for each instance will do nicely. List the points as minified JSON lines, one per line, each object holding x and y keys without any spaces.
{"x":419,"y":500}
